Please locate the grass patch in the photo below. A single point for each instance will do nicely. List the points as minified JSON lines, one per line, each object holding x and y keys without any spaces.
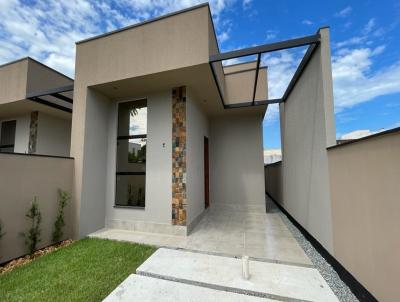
{"x":87,"y":270}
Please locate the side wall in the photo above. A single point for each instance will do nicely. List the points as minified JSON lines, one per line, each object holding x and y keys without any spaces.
{"x":197,"y":129}
{"x":53,"y":136}
{"x":236,"y":159}
{"x":94,"y":163}
{"x":307,"y":130}
{"x":21,"y":178}
{"x":273,"y":180}
{"x":158,"y":167}
{"x":365,"y":192}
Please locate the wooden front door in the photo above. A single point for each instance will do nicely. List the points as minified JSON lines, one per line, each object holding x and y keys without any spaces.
{"x":206,"y":174}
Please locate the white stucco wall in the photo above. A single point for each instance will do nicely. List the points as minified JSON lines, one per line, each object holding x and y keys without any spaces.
{"x":197,"y":129}
{"x":236,"y":159}
{"x":53,"y":135}
{"x":307,"y":129}
{"x":158,"y":163}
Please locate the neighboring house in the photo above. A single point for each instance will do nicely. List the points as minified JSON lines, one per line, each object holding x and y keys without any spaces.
{"x":272,"y":156}
{"x":29,"y":122}
{"x":357,"y":134}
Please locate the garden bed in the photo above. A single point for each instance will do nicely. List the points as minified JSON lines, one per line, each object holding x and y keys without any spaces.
{"x":9,"y":266}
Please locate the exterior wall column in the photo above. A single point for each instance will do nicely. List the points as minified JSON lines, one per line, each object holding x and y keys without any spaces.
{"x":179,"y":196}
{"x":33,"y":129}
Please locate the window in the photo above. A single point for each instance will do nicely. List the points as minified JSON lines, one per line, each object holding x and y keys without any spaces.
{"x":7,"y":138}
{"x":131,"y":154}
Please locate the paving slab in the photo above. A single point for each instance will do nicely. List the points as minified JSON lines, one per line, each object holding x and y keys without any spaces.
{"x":147,"y":289}
{"x":271,"y":280}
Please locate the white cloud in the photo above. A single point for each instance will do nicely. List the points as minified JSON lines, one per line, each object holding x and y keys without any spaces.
{"x":355,"y":83}
{"x":356,"y":134}
{"x":271,"y":34}
{"x":307,"y":22}
{"x":344,"y":12}
{"x":246,"y":3}
{"x":222,"y":37}
{"x":369,"y":26}
{"x":48,"y":29}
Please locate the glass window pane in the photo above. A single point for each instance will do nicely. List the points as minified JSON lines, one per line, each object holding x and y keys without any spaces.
{"x":132,"y":118}
{"x":130,"y":190}
{"x":131,"y":155}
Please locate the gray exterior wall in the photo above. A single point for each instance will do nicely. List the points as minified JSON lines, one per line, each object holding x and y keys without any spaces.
{"x":197,"y":129}
{"x":91,"y":213}
{"x":273,"y":180}
{"x":158,"y":167}
{"x":21,"y":178}
{"x":307,"y":129}
{"x":236,"y":159}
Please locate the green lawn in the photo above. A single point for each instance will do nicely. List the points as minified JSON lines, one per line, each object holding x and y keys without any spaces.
{"x":87,"y":270}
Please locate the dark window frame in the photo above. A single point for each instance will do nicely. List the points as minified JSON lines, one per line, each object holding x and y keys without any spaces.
{"x":7,"y":146}
{"x":125,"y":173}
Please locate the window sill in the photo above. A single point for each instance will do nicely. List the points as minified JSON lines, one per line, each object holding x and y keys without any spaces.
{"x":129,"y":207}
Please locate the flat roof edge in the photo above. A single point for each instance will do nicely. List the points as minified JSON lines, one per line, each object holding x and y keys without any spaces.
{"x":48,"y":67}
{"x":15,"y":61}
{"x":146,"y":22}
{"x":38,"y":62}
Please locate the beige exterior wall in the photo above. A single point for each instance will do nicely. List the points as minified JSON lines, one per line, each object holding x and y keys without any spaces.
{"x":307,"y":129}
{"x":239,"y":85}
{"x":365,"y":193}
{"x":21,"y":178}
{"x":42,"y":77}
{"x":13,"y":81}
{"x":273,"y":180}
{"x":53,"y":135}
{"x":183,"y":38}
{"x":236,"y":159}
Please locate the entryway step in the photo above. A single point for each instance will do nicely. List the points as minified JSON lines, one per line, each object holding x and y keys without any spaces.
{"x":147,"y":289}
{"x":269,"y":280}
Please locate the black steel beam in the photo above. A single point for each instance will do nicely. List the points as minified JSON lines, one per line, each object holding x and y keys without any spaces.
{"x":252,"y":104}
{"x":299,"y":70}
{"x":217,"y":84}
{"x":50,"y":104}
{"x":50,"y":91}
{"x":266,"y":48}
{"x":256,"y":77}
{"x":62,"y":97}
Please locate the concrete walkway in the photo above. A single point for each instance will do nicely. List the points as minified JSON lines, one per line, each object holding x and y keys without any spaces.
{"x":178,"y":275}
{"x":229,"y":229}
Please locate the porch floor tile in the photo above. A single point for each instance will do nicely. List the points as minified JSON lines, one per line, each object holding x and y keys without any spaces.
{"x":230,"y":229}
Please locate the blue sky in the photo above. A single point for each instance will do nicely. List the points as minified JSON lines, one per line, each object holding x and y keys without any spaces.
{"x":365,"y":43}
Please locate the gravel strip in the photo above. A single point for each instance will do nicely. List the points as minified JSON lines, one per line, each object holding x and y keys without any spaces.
{"x":340,"y":289}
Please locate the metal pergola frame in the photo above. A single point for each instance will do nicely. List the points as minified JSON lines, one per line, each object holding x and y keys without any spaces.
{"x":312,"y":41}
{"x":55,"y":93}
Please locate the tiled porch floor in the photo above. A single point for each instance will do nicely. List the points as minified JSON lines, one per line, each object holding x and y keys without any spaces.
{"x":229,"y":229}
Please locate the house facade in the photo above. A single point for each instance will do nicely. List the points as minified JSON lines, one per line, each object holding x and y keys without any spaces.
{"x":157,"y":127}
{"x":166,"y":102}
{"x":32,"y":124}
